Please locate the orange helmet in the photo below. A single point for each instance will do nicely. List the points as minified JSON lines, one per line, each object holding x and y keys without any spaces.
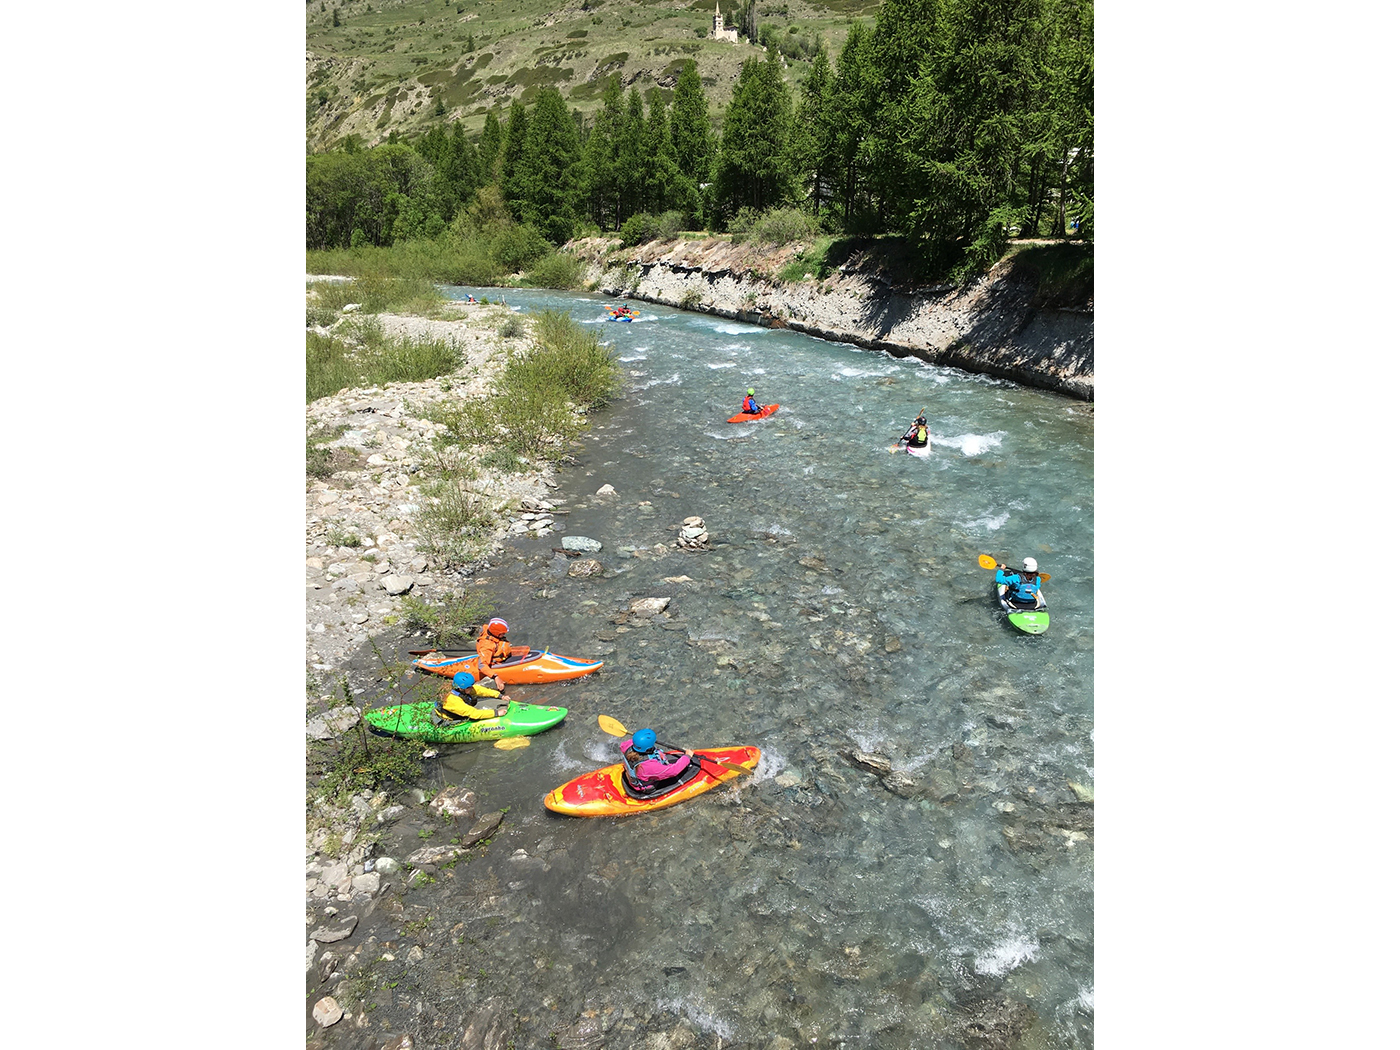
{"x":498,"y":627}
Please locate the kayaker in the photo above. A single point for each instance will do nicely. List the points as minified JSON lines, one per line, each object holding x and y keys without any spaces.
{"x":750,"y":405}
{"x":1022,"y":586}
{"x":917,"y":436}
{"x":651,"y":762}
{"x":464,"y":688}
{"x":492,"y":646}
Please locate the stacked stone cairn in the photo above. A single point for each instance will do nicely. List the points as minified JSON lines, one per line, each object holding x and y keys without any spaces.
{"x":693,"y":536}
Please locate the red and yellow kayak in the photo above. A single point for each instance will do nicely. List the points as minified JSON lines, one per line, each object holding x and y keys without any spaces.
{"x":748,"y":417}
{"x":534,"y":667}
{"x":602,"y":794}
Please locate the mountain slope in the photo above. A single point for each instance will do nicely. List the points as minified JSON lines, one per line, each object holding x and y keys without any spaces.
{"x":378,"y":66}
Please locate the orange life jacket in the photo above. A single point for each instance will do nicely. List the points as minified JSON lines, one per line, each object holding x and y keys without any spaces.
{"x":491,"y":649}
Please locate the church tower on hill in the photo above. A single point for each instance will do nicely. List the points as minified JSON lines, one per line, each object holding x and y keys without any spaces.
{"x":720,"y":33}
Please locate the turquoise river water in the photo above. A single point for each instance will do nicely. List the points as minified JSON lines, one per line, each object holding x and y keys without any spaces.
{"x":938,"y":894}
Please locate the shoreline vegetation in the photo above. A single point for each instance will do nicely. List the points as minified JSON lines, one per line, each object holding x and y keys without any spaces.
{"x":432,"y":425}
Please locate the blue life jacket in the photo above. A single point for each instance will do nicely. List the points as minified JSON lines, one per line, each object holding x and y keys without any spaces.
{"x":1018,"y":586}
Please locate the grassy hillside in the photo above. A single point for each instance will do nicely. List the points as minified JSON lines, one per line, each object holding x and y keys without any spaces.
{"x":397,"y":65}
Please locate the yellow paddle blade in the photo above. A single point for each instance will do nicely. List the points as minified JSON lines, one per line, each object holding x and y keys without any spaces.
{"x":611,"y":726}
{"x":986,"y":561}
{"x":510,"y":743}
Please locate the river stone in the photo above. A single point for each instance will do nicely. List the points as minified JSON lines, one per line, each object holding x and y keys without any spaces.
{"x":316,"y":563}
{"x":484,"y":828}
{"x":398,"y":1042}
{"x":386,"y":865}
{"x":893,"y":644}
{"x":580,"y":543}
{"x":490,"y":1028}
{"x":434,"y":855}
{"x":649,"y":606}
{"x":418,"y":564}
{"x":331,"y":934}
{"x":396,"y":584}
{"x":367,"y":883}
{"x":1084,"y":794}
{"x":389,"y":813}
{"x":327,"y":1012}
{"x":332,"y":723}
{"x":415,"y":954}
{"x":606,"y":490}
{"x":901,"y":783}
{"x":455,"y":800}
{"x":586,"y":567}
{"x":943,"y":786}
{"x":877,"y":764}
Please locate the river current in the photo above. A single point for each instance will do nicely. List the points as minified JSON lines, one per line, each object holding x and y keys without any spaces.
{"x":842,"y":624}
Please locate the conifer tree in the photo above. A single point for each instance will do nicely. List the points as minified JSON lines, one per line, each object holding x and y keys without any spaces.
{"x":752,"y":168}
{"x":513,"y":145}
{"x":547,"y":173}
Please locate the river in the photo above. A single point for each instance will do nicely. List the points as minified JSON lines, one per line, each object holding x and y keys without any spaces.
{"x":842,"y":611}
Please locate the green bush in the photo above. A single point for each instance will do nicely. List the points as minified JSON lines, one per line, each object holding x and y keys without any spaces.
{"x":513,"y":327}
{"x":555,"y":271}
{"x":639,"y":228}
{"x":740,"y":224}
{"x":534,"y":408}
{"x":515,"y":248}
{"x":369,"y":358}
{"x":782,"y":226}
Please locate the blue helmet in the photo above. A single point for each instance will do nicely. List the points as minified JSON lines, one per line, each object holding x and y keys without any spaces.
{"x":463,"y":680}
{"x":644,"y":740}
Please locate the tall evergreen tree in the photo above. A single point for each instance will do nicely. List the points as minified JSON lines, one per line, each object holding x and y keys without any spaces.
{"x":513,"y":145}
{"x":547,"y":174}
{"x":489,"y":149}
{"x":810,"y":141}
{"x":690,"y":126}
{"x":600,"y":160}
{"x":752,"y":167}
{"x":845,"y":134}
{"x":631,"y":159}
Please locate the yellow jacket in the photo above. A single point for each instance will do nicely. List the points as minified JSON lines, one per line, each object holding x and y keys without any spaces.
{"x":454,"y":704}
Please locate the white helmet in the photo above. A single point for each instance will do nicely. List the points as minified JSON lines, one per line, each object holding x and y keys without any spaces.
{"x":1030,"y":565}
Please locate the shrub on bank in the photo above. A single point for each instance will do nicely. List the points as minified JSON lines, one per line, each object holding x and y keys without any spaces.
{"x":369,"y":358}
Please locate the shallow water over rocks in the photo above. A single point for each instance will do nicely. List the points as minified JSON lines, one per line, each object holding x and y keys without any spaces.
{"x":910,"y":866}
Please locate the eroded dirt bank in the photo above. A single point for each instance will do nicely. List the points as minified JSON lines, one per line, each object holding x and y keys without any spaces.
{"x":995,"y":326}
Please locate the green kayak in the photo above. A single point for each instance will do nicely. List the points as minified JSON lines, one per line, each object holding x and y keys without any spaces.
{"x":416,"y":722}
{"x":1031,"y":619}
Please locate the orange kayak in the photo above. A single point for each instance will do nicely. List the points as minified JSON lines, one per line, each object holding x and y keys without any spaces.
{"x":746,"y":417}
{"x":534,"y":667}
{"x":603,"y":794}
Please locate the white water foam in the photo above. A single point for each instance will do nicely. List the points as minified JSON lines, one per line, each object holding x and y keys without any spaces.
{"x":770,"y":764}
{"x":728,"y":328}
{"x":1085,"y":999}
{"x":636,"y":356}
{"x":1007,"y":954}
{"x":697,"y":1014}
{"x":969,"y":444}
{"x":988,"y":522}
{"x":672,"y":380}
{"x":723,"y":364}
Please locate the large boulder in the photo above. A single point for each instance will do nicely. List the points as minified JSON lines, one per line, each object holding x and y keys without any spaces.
{"x":455,"y":800}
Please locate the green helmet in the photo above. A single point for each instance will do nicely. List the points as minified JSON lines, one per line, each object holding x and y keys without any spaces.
{"x":750,"y":391}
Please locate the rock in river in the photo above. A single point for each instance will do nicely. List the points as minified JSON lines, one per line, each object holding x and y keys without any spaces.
{"x":580,"y":543}
{"x":327,"y":1012}
{"x":455,"y":800}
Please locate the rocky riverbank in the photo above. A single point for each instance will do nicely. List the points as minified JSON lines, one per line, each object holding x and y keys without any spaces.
{"x":993,"y":326}
{"x":365,"y":550}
